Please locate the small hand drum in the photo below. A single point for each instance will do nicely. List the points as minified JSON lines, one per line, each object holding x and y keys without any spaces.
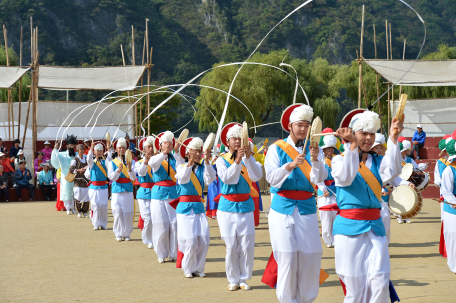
{"x":183,"y":136}
{"x":245,"y":135}
{"x":405,"y":201}
{"x":315,"y":129}
{"x":419,"y":178}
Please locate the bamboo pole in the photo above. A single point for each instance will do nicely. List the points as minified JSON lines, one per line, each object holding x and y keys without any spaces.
{"x":403,"y":58}
{"x":360,"y":65}
{"x":10,"y":110}
{"x":387,"y":58}
{"x":31,"y":40}
{"x":133,"y":45}
{"x":391,"y":57}
{"x":387,"y":45}
{"x":123,"y":59}
{"x":133,"y":57}
{"x":376,"y":76}
{"x":20,"y":87}
{"x":147,"y":40}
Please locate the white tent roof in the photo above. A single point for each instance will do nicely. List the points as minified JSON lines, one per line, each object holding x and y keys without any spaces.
{"x":10,"y":75}
{"x":98,"y":133}
{"x":96,"y":78}
{"x":423,"y":73}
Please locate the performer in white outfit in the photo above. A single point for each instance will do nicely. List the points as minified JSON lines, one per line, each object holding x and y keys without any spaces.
{"x":440,"y":166}
{"x":361,"y":248}
{"x":98,"y":188}
{"x":164,"y":191}
{"x":62,"y":160}
{"x":448,"y":189}
{"x":143,"y":195}
{"x":78,"y":167}
{"x":327,"y":191}
{"x":122,"y":202}
{"x":293,"y":220}
{"x":236,"y":170}
{"x":192,"y":227}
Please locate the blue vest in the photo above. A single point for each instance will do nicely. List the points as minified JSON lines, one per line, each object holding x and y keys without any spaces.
{"x":442,"y":167}
{"x":242,"y":187}
{"x":447,"y":207}
{"x":97,"y":175}
{"x":163,"y":192}
{"x":121,"y":187}
{"x":188,"y":189}
{"x":331,"y":187}
{"x":408,"y":160}
{"x":295,"y":181}
{"x":144,"y":193}
{"x":359,"y":195}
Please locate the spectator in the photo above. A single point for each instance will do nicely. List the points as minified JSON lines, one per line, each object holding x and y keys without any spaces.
{"x":47,"y":151}
{"x":16,"y":148}
{"x":23,"y":177}
{"x":87,"y":146}
{"x":132,"y":145}
{"x":3,"y":184}
{"x":38,"y":161}
{"x":46,"y":181}
{"x":3,"y":149}
{"x":418,"y":140}
{"x":8,"y":167}
{"x":20,"y":157}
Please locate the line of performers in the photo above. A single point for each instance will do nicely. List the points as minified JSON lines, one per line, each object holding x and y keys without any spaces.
{"x":350,"y":187}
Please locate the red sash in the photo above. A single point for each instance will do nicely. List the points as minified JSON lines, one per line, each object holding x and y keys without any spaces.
{"x":295,"y":194}
{"x":328,"y":182}
{"x":187,"y":198}
{"x":165,"y":183}
{"x":369,"y":214}
{"x":97,"y":183}
{"x":123,"y":180}
{"x":233,"y":197}
{"x":147,"y":184}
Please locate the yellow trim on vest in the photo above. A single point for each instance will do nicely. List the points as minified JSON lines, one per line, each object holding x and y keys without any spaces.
{"x":124,"y":169}
{"x":101,"y":168}
{"x":149,"y":170}
{"x":172,"y":173}
{"x":244,"y":174}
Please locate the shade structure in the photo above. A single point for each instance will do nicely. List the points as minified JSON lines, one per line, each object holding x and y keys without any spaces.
{"x":10,"y":75}
{"x":422,"y":73}
{"x":95,"y":78}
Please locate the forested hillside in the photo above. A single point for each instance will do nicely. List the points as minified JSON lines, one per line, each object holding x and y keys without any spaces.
{"x":189,"y":36}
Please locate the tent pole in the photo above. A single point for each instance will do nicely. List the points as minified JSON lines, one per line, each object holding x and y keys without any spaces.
{"x":359,"y":61}
{"x":142,"y":83}
{"x":391,"y":57}
{"x":27,"y":117}
{"x":403,"y":58}
{"x":5,"y":36}
{"x":135,"y":107}
{"x":123,"y":59}
{"x":20,"y":88}
{"x":376,"y":76}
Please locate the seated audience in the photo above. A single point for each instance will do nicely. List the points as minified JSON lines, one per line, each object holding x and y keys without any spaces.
{"x":46,"y":181}
{"x":23,"y":177}
{"x":3,"y":185}
{"x":8,"y":167}
{"x":15,"y":149}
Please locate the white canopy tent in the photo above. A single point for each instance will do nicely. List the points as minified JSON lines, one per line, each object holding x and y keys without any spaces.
{"x":10,"y":75}
{"x":121,"y":78}
{"x":422,"y":73}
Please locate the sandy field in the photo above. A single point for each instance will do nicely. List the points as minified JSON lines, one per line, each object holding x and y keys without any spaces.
{"x":48,"y":256}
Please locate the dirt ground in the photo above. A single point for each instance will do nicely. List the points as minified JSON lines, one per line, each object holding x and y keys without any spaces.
{"x":48,"y":256}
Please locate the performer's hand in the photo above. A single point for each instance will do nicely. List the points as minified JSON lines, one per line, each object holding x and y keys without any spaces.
{"x":207,"y":156}
{"x":454,"y":206}
{"x":129,"y":166}
{"x":412,"y":185}
{"x":399,"y":125}
{"x":314,"y":151}
{"x":384,"y":193}
{"x":108,"y":145}
{"x":92,"y":146}
{"x":121,"y":166}
{"x":167,"y":147}
{"x":348,"y":136}
{"x":248,"y":152}
{"x":147,"y":158}
{"x":56,"y":146}
{"x":240,"y":155}
{"x":176,"y":148}
{"x":297,"y":161}
{"x":326,"y":194}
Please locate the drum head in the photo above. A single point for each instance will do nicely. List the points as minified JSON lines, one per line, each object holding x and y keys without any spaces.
{"x":403,"y":200}
{"x":407,"y":171}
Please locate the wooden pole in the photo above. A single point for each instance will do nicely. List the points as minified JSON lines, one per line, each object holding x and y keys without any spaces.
{"x":123,"y":58}
{"x":135,"y":108}
{"x":391,"y":57}
{"x":403,"y":58}
{"x":147,"y":40}
{"x":376,"y":76}
{"x":10,"y":110}
{"x":142,"y":83}
{"x":27,"y":116}
{"x":20,"y":87}
{"x":387,"y":58}
{"x":360,"y":65}
{"x":31,"y":40}
{"x":387,"y":46}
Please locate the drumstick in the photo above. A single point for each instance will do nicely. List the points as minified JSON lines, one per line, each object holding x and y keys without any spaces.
{"x":443,"y":201}
{"x":305,"y":143}
{"x":324,"y":134}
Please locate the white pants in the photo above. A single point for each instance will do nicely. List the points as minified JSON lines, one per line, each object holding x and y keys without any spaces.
{"x":123,"y":210}
{"x":69,"y":204}
{"x":363,"y":264}
{"x":386,"y":218}
{"x":81,"y":194}
{"x":296,"y":245}
{"x":449,"y":233}
{"x":193,"y":237}
{"x":327,"y":219}
{"x":238,"y":232}
{"x":144,"y":209}
{"x":99,"y":205}
{"x":164,"y":233}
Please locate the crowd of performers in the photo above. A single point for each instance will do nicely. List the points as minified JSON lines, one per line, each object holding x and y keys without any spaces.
{"x":350,"y":182}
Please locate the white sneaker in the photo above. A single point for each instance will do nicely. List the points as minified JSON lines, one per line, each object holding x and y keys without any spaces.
{"x":95,"y":228}
{"x":119,"y":239}
{"x":232,"y":287}
{"x":150,"y":245}
{"x":188,"y":275}
{"x":127,"y":239}
{"x":329,"y":245}
{"x":86,"y":215}
{"x":73,"y":211}
{"x":104,"y":227}
{"x":69,"y":212}
{"x":14,"y":185}
{"x":408,"y":221}
{"x":199,"y":274}
{"x":80,"y":215}
{"x":244,"y":286}
{"x":161,"y":261}
{"x":399,"y":221}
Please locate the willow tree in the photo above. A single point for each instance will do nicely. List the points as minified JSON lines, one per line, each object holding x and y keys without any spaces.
{"x":263,"y":88}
